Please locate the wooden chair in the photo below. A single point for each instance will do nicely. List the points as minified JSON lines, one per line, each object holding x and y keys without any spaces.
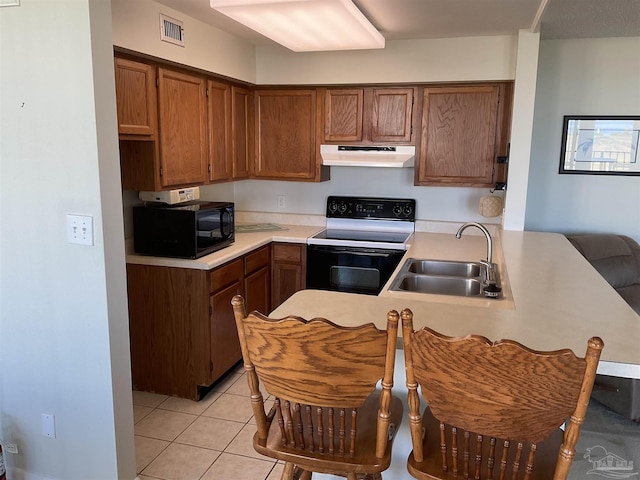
{"x":493,"y":407}
{"x":327,"y":415}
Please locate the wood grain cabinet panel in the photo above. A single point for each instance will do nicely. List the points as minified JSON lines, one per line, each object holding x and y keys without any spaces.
{"x":368,"y":115}
{"x":169,"y":329}
{"x":289,"y":267}
{"x":224,"y":343}
{"x":458,"y":135}
{"x":257,"y":280}
{"x":242,"y":160}
{"x":285,"y":138}
{"x":136,"y":99}
{"x":392,"y":114}
{"x":219,"y":128}
{"x":343,"y":113}
{"x":183,"y":128}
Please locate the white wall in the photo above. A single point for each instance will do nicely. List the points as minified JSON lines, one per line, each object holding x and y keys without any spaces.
{"x":582,"y":77}
{"x":434,"y":60}
{"x":63,"y":321}
{"x":136,"y":26}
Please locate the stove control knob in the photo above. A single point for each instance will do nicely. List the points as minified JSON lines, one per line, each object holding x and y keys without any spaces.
{"x":333,"y":206}
{"x":407,"y":210}
{"x":342,"y":207}
{"x":397,"y":210}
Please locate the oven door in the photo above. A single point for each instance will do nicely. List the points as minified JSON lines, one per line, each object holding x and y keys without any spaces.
{"x":350,"y":269}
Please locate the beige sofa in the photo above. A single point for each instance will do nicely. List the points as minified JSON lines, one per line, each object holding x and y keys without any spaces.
{"x":617,"y":259}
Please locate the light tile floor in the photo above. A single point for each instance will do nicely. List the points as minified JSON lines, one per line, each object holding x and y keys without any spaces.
{"x":178,"y":439}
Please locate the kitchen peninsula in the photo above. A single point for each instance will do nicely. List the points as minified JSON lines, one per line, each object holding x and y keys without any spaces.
{"x":552,"y":299}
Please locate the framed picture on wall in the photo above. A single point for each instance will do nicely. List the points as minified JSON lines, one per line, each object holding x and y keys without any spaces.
{"x":600,"y":145}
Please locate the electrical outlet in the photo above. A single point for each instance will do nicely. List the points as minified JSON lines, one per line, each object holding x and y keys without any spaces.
{"x":10,"y":447}
{"x":48,"y":425}
{"x":80,"y":229}
{"x":281,"y":202}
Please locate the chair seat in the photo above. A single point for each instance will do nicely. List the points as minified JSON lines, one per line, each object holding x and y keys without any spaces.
{"x":431,"y":466}
{"x":363,"y":461}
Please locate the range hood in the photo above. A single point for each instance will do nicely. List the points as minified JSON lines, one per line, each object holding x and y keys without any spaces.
{"x":368,"y":156}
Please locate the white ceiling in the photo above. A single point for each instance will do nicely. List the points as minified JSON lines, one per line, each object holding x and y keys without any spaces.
{"x":416,"y":19}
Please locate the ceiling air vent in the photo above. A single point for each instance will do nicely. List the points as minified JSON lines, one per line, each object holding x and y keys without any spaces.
{"x":171,"y":30}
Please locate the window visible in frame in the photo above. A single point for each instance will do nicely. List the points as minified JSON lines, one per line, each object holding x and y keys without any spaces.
{"x":600,"y":145}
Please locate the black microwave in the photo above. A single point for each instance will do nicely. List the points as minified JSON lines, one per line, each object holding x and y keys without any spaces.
{"x":185,"y":230}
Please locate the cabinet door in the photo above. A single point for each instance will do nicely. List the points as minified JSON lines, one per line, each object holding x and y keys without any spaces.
{"x":257,"y":287}
{"x":458,"y":135}
{"x":343,"y":110}
{"x":183,"y":128}
{"x":392,"y":114}
{"x":289,"y":271}
{"x":225,"y":344}
{"x":240,"y":132}
{"x":225,"y":282}
{"x":257,"y":280}
{"x":286,"y":134}
{"x":136,"y":98}
{"x":219,"y":105}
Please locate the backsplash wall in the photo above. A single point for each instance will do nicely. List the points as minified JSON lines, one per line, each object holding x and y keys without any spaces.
{"x":449,"y":204}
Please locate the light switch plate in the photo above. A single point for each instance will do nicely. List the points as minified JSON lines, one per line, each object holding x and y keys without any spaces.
{"x":48,"y":425}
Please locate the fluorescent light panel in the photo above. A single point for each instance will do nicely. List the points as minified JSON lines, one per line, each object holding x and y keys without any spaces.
{"x":305,"y":25}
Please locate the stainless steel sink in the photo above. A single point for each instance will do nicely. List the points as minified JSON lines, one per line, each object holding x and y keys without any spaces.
{"x":466,"y":287}
{"x":444,"y":267}
{"x":444,"y":277}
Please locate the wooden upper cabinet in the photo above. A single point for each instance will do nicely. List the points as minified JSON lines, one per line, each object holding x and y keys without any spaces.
{"x":459,"y":131}
{"x":391,"y":115}
{"x":219,"y":123}
{"x":285,"y":137}
{"x":183,"y":128}
{"x":136,"y":99}
{"x":368,"y":115}
{"x":343,"y":112}
{"x":240,"y":132}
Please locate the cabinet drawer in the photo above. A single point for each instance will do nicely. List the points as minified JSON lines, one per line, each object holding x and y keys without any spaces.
{"x":283,"y":252}
{"x":225,"y":275}
{"x":257,"y":259}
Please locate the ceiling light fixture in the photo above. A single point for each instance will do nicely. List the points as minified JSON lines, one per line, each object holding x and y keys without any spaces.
{"x":305,"y":25}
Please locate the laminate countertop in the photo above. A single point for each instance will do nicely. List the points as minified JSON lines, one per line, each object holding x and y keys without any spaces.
{"x":553,"y":299}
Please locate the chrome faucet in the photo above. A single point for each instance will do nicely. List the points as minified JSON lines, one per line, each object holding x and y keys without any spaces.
{"x":488,"y":262}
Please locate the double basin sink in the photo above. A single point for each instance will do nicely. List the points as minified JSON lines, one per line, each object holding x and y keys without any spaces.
{"x":447,"y":277}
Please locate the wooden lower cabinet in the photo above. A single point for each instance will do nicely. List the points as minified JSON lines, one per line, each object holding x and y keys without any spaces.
{"x":289,"y":270}
{"x":226,"y":282}
{"x":182,"y":330}
{"x":169,"y":329}
{"x":257,"y":280}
